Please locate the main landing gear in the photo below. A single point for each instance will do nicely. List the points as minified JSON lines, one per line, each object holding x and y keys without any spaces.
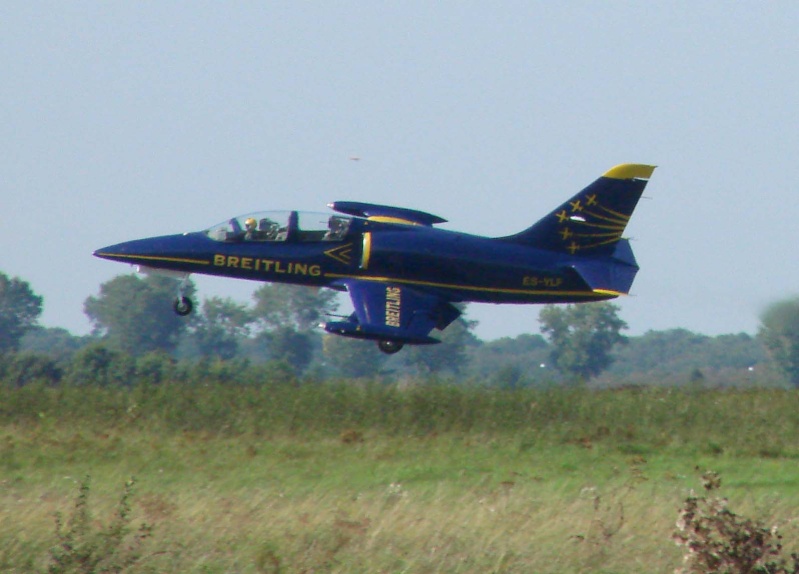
{"x":390,"y":347}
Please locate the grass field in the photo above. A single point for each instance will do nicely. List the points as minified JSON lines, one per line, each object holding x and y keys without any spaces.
{"x":373,"y":478}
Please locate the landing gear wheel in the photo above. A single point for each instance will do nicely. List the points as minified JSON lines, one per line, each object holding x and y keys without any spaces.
{"x":390,"y":347}
{"x":183,"y":306}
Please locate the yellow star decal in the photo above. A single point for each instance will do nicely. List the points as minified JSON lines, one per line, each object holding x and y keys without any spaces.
{"x":562,"y":216}
{"x":565,"y":233}
{"x":573,"y":247}
{"x":576,"y":206}
{"x":591,"y":199}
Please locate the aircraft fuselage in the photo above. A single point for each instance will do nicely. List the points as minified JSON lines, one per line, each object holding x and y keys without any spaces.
{"x":402,"y":273}
{"x":458,"y":266}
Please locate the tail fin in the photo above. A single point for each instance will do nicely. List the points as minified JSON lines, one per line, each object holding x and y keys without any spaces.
{"x":591,"y":222}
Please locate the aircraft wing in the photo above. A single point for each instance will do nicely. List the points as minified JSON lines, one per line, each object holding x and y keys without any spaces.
{"x":393,"y":312}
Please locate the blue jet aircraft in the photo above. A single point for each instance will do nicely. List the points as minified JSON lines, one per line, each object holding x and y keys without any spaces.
{"x":403,"y":274}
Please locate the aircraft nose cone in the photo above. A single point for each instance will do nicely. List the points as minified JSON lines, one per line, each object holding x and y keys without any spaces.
{"x":120,"y":250}
{"x":179,"y":252}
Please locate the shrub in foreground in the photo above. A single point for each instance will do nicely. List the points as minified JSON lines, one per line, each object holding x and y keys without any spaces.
{"x":84,"y":548}
{"x":718,"y":541}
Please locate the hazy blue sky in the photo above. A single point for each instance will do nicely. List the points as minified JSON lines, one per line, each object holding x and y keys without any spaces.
{"x":126,"y":120}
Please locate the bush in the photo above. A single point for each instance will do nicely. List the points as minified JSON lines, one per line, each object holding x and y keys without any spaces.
{"x":101,"y":366}
{"x":83,"y":548}
{"x":718,"y":541}
{"x":20,"y":369}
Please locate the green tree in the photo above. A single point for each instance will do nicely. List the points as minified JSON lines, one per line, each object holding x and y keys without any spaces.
{"x":296,"y":306}
{"x":54,"y":342}
{"x":23,"y":368}
{"x":135,"y":315}
{"x":99,"y":365}
{"x":347,"y":357}
{"x":288,"y":315}
{"x":511,"y":362}
{"x":154,"y":368}
{"x":679,"y":352}
{"x":289,"y":345}
{"x":221,"y":326}
{"x":779,"y":332}
{"x":20,"y":308}
{"x":449,"y":356}
{"x":582,"y":336}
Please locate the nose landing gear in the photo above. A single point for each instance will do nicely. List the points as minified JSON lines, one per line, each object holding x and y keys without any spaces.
{"x":183,"y":306}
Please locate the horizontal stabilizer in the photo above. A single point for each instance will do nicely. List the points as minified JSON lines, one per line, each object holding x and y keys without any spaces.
{"x":612,"y":275}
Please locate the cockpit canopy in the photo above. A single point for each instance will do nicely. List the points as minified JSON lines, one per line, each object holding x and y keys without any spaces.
{"x":282,"y":226}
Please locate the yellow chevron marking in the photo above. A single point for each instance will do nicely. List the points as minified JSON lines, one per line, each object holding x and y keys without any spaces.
{"x":342,"y":253}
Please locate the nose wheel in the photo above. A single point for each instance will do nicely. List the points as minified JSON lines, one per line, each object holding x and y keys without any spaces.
{"x":183,"y":306}
{"x":390,"y":347}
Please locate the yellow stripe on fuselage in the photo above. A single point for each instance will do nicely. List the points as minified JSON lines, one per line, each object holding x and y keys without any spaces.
{"x":609,"y":292}
{"x":156,"y":258}
{"x":505,"y":290}
{"x":366,"y":252}
{"x":388,"y":219}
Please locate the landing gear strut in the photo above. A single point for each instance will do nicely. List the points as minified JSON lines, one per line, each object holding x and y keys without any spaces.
{"x":390,"y":347}
{"x":183,"y":304}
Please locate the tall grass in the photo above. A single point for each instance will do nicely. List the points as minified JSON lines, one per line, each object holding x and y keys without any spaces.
{"x":738,"y":422}
{"x":343,"y":477}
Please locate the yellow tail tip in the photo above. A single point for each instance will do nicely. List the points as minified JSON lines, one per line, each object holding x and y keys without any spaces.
{"x":630,"y":171}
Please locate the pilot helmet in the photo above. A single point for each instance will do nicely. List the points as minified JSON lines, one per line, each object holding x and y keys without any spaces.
{"x":250,"y":223}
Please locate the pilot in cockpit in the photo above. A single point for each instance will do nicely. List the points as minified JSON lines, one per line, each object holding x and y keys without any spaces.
{"x":268,"y":229}
{"x":336,"y":228}
{"x":249,"y":229}
{"x":263,"y":230}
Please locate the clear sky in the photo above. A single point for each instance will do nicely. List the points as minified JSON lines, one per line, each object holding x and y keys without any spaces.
{"x":131,"y":119}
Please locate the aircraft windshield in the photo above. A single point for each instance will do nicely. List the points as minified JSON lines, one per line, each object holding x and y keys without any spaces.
{"x":282,"y":226}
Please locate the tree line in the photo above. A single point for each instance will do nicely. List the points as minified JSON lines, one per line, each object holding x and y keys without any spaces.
{"x":136,"y":336}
